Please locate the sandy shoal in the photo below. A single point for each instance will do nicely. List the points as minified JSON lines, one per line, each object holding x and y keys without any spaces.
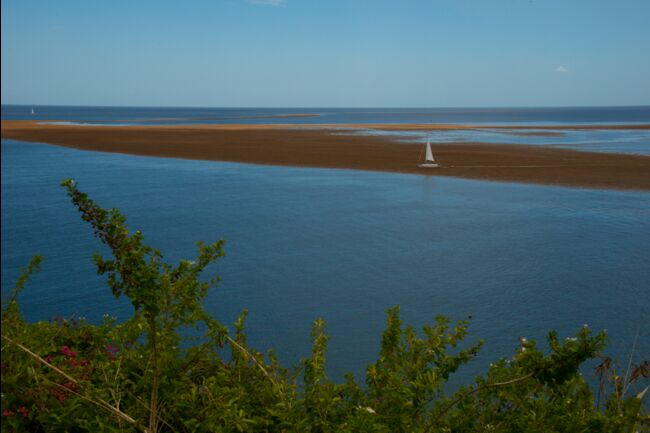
{"x":316,"y":146}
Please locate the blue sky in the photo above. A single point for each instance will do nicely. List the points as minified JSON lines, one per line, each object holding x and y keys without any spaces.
{"x":333,"y":53}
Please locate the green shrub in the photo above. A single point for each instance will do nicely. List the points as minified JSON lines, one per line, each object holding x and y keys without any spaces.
{"x":146,"y":374}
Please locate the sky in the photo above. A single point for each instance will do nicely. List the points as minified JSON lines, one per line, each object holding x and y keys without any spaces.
{"x":326,"y":53}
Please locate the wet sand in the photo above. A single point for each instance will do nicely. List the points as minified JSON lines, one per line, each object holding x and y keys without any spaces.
{"x":316,"y":146}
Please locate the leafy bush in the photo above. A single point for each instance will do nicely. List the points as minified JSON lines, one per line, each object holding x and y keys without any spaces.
{"x":144,"y":375}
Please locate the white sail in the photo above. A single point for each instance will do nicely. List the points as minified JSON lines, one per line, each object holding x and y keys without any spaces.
{"x":429,"y":155}
{"x":32,"y":111}
{"x":429,"y":162}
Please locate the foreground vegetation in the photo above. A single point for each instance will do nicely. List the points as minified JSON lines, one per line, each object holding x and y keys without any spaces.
{"x":147,"y":373}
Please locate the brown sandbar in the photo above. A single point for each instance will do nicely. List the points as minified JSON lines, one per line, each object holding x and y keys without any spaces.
{"x":316,"y":146}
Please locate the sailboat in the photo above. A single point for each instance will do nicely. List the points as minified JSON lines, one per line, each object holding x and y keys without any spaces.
{"x":33,"y":111}
{"x":429,"y":162}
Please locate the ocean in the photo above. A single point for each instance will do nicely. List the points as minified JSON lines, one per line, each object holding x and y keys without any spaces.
{"x":175,"y":115}
{"x":341,"y":244}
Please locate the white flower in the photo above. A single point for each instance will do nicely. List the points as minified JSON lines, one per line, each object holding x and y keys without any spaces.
{"x":367,"y":409}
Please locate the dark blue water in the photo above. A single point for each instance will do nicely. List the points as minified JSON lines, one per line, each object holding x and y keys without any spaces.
{"x":343,"y":245}
{"x":157,"y":115}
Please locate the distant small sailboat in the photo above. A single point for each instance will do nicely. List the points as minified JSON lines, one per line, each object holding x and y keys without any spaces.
{"x":429,"y":162}
{"x":33,"y":111}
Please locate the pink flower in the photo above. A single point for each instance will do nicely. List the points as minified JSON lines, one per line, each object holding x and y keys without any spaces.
{"x":23,"y":411}
{"x":7,"y":413}
{"x":65,"y":350}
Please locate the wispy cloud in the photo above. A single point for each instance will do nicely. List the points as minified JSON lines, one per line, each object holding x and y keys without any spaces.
{"x":268,"y":2}
{"x":561,"y":69}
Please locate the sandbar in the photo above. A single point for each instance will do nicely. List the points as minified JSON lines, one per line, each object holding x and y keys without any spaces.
{"x":318,"y":146}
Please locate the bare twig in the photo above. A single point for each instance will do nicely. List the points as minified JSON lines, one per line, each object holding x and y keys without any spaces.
{"x":626,"y":381}
{"x":153,"y":404}
{"x":257,"y":363}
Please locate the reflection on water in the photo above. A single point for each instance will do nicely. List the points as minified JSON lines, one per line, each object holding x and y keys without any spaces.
{"x":343,"y":245}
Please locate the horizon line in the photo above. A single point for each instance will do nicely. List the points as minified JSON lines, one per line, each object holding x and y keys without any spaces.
{"x":242,"y":107}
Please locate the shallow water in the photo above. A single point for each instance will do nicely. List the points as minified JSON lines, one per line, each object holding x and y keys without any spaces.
{"x":344,"y":245}
{"x":610,"y":141}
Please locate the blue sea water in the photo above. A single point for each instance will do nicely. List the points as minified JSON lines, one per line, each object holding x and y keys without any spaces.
{"x":343,"y":245}
{"x":174,"y":115}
